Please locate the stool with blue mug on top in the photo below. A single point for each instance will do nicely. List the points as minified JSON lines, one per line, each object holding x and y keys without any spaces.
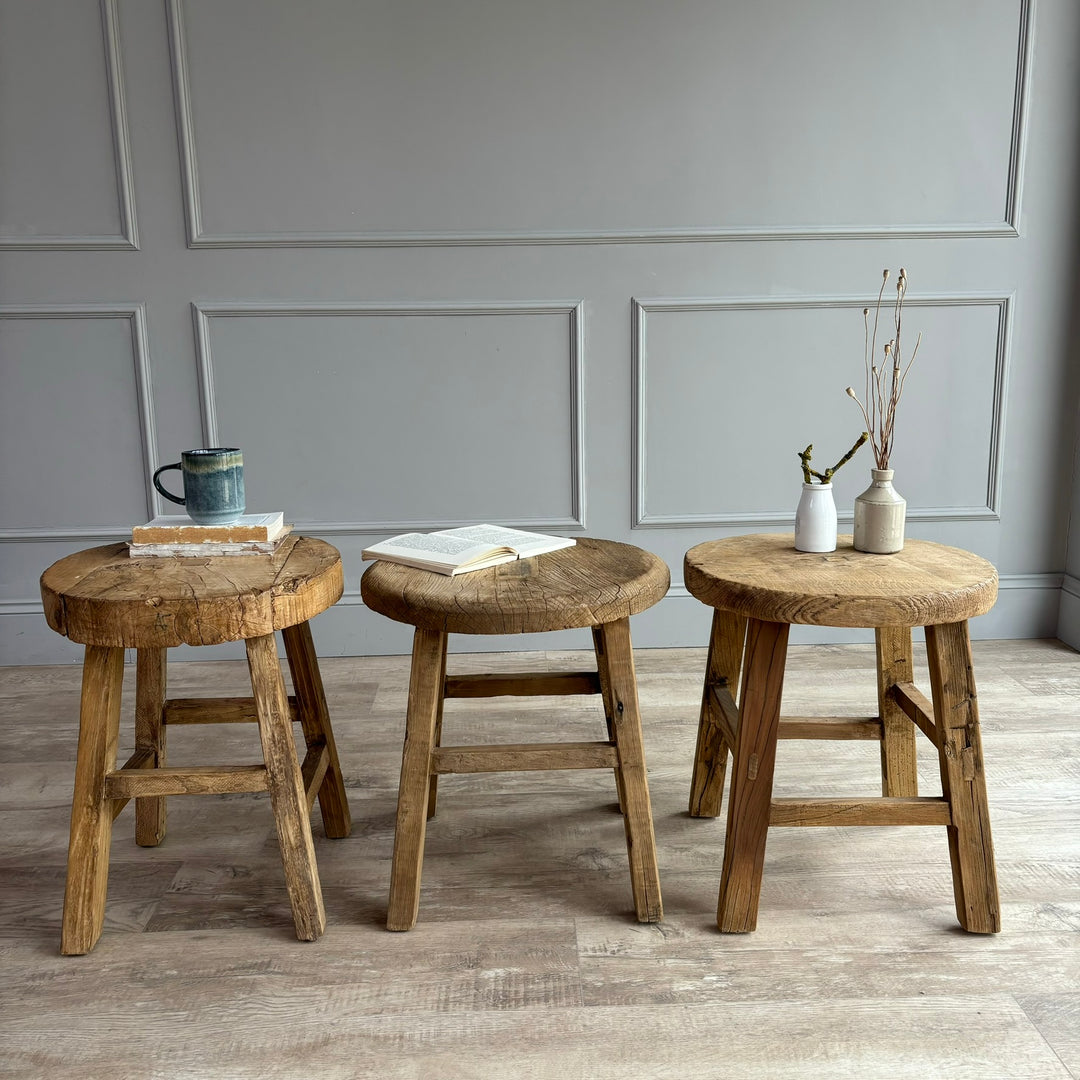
{"x":213,"y":484}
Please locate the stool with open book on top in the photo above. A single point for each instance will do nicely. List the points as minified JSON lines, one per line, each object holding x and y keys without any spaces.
{"x":587,"y":583}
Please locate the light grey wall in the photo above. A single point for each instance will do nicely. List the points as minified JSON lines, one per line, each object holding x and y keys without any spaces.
{"x":1069,"y":618}
{"x":578,"y":266}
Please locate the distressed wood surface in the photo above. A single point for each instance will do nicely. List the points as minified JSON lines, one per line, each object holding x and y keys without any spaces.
{"x":91,"y":817}
{"x":425,"y":696}
{"x":609,"y":705}
{"x":524,"y":757}
{"x":754,"y":755}
{"x":150,"y":682}
{"x":101,"y":596}
{"x":899,"y":759}
{"x":620,"y":678}
{"x":188,"y":780}
{"x":722,"y":668}
{"x":596,"y":583}
{"x":215,"y":710}
{"x":762,"y":576}
{"x":287,"y":795}
{"x":891,"y":810}
{"x":314,"y":716}
{"x":591,"y":583}
{"x":963,"y":778}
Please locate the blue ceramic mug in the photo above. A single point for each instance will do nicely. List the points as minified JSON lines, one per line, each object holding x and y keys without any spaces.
{"x":213,"y":484}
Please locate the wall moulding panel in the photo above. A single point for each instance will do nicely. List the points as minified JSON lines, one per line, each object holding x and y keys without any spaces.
{"x":747,"y":404}
{"x":61,"y":168}
{"x":86,"y":468}
{"x":521,"y":152}
{"x":375,"y":418}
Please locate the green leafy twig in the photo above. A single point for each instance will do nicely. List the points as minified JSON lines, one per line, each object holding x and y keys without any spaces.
{"x":828,"y":474}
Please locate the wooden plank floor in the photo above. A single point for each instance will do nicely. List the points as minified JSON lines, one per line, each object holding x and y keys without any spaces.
{"x":526,"y":960}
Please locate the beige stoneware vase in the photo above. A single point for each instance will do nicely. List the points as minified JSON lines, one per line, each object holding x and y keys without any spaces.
{"x":879,"y":516}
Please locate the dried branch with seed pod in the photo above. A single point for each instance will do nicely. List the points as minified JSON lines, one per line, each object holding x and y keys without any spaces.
{"x":884,"y":384}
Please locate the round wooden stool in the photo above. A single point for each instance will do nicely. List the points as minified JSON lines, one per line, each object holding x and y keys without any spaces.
{"x":110,"y":602}
{"x":761,"y":584}
{"x":596,"y":583}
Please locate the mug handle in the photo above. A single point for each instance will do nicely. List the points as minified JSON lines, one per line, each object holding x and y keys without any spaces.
{"x":168,"y":494}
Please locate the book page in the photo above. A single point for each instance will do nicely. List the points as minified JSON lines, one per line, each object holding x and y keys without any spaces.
{"x":433,"y":543}
{"x":430,"y":548}
{"x":524,"y":543}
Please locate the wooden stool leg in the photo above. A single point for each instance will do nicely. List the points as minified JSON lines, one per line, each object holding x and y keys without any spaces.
{"x":750,"y":800}
{"x":150,"y":678}
{"x":899,"y":774}
{"x":286,"y":786}
{"x":91,"y":812}
{"x":609,"y":705}
{"x":963,"y":782}
{"x":425,"y":694}
{"x":722,"y":671}
{"x":315,"y":721}
{"x":433,"y":780}
{"x":618,"y":661}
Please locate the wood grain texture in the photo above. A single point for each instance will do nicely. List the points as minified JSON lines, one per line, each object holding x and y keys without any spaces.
{"x":150,"y":684}
{"x":523,"y":684}
{"x":91,"y":817}
{"x":918,"y":708}
{"x":425,"y":695}
{"x":189,"y":780}
{"x":315,"y":722}
{"x":609,"y":705}
{"x":287,"y":795}
{"x":838,"y":728}
{"x":591,"y":583}
{"x":722,"y":667}
{"x":103,"y":597}
{"x":899,"y":761}
{"x":762,"y":576}
{"x":217,"y":710}
{"x":750,"y":801}
{"x":621,"y":679}
{"x":433,"y":780}
{"x":909,"y":810}
{"x":524,"y":757}
{"x":963,"y":780}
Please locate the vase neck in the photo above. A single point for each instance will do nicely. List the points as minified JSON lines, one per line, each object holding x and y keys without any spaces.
{"x":882,"y":475}
{"x":817,"y":487}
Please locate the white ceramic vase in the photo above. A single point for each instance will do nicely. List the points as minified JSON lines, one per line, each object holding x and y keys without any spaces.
{"x":815,"y":519}
{"x":879,"y":516}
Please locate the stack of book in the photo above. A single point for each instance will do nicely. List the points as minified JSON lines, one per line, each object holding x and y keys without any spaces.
{"x":178,"y":536}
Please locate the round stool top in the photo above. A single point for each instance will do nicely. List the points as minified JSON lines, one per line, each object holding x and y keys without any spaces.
{"x":764,"y":577}
{"x":102,"y":596}
{"x":591,"y":583}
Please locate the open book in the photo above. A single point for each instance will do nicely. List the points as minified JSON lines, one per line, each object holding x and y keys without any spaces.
{"x":471,"y":547}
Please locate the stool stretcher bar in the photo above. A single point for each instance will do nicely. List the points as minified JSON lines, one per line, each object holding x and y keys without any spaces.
{"x":522,"y":684}
{"x":918,"y":707}
{"x":726,"y":717}
{"x":520,"y":757}
{"x":874,"y":811}
{"x":208,"y":710}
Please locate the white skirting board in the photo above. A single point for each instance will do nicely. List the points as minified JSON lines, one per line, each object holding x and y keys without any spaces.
{"x":1028,"y":606}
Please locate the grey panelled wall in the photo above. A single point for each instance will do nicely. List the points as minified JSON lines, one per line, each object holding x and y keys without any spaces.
{"x":586,"y":267}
